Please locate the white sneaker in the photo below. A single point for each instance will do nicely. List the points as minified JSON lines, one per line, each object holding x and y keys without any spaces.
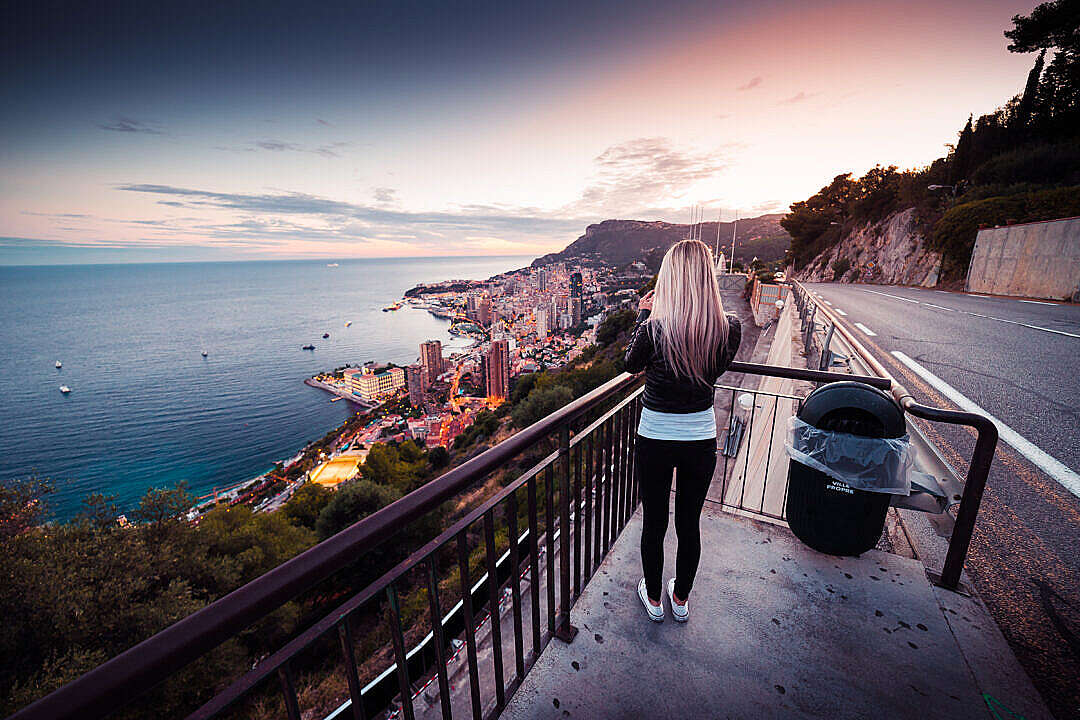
{"x":681,"y":613}
{"x":656,"y":612}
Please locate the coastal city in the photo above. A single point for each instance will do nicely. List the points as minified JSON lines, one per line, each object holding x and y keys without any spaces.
{"x":519,"y":322}
{"x":523,"y":321}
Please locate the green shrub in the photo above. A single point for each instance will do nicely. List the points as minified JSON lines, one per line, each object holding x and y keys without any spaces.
{"x":615,"y":325}
{"x":306,"y":503}
{"x":954,"y":234}
{"x":840,"y":267}
{"x":540,"y":403}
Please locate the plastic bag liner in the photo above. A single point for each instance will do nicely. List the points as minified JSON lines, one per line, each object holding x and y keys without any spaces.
{"x":882,"y":465}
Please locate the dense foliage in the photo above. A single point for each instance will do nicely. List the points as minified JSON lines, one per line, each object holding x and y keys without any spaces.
{"x":954,"y":234}
{"x":615,"y":324}
{"x":75,"y":594}
{"x":1015,"y":163}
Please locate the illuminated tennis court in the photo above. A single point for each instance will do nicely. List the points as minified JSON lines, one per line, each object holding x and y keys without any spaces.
{"x":336,"y":471}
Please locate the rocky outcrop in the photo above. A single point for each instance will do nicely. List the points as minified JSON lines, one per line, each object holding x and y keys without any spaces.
{"x":891,"y":252}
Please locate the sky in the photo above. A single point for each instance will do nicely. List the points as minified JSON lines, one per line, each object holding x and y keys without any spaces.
{"x":167,"y":131}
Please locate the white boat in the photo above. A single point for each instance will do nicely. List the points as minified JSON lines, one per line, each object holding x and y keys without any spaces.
{"x":65,"y":389}
{"x":331,"y":265}
{"x":59,"y":364}
{"x":204,"y":353}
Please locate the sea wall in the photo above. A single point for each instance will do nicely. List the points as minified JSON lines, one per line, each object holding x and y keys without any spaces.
{"x":1039,"y":260}
{"x":892,"y":251}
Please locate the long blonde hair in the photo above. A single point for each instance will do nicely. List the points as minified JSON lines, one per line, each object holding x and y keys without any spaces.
{"x":688,"y":318}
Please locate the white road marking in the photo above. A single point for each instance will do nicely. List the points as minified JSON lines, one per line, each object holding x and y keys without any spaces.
{"x":894,"y":297}
{"x":827,"y":303}
{"x":1049,"y":465}
{"x":866,"y":330}
{"x":987,"y":317}
{"x":1014,"y":322}
{"x":1039,"y":302}
{"x":939,"y":307}
{"x":840,"y":311}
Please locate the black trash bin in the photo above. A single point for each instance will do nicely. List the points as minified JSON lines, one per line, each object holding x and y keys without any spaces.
{"x":826,"y":514}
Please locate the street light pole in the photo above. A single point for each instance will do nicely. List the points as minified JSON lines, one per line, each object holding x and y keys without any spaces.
{"x":942,"y":187}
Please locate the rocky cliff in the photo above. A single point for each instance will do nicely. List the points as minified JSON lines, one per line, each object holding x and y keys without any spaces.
{"x":892,"y":251}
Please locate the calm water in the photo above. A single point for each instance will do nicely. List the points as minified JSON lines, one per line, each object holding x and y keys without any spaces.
{"x":146,"y":409}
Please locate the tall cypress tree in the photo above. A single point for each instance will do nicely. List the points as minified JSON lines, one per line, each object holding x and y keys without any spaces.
{"x":1028,"y":101}
{"x":961,"y":164}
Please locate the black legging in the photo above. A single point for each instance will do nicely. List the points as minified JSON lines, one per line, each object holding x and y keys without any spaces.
{"x":694,"y":462}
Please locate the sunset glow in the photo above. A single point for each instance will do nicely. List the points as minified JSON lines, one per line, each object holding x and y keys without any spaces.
{"x":164,"y":136}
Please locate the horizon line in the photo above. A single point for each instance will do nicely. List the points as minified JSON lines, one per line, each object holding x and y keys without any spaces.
{"x":264,"y":260}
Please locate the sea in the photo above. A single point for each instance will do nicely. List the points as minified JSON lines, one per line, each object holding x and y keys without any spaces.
{"x":147,"y":410}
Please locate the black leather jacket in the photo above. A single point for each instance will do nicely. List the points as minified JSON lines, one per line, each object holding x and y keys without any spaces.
{"x":664,"y":390}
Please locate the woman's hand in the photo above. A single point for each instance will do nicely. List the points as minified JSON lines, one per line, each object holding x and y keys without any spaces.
{"x":646,"y":302}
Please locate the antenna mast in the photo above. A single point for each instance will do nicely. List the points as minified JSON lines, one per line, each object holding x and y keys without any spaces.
{"x":734,"y":227}
{"x":719,"y":217}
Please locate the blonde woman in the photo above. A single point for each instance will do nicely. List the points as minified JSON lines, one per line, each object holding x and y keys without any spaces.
{"x":684,"y":342}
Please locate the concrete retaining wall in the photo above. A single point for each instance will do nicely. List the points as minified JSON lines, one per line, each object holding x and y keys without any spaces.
{"x":1031,"y":260}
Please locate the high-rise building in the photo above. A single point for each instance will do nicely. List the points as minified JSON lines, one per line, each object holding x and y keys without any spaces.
{"x":483,"y":310}
{"x":431,"y":359}
{"x":575,"y":285}
{"x":496,"y":368}
{"x":543,"y":320}
{"x":575,"y":310}
{"x":541,"y":280}
{"x":416,"y":382}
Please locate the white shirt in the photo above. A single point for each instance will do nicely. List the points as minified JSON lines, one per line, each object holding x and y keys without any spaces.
{"x":677,"y":426}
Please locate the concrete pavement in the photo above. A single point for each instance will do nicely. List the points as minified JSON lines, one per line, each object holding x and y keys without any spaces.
{"x":776,"y":631}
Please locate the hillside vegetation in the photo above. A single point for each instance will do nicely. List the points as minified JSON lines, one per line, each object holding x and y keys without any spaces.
{"x":1020,"y":163}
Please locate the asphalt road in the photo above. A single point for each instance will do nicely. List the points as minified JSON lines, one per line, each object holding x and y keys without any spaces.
{"x":1018,"y":361}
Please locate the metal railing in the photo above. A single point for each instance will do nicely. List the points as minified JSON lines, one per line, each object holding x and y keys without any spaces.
{"x":745,"y":456}
{"x":599,"y":456}
{"x":981,"y":458}
{"x":589,"y":491}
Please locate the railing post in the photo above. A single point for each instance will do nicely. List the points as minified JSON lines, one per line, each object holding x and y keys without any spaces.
{"x":564,"y":630}
{"x":438,"y":637}
{"x":978,"y":472}
{"x":349,"y":656}
{"x":400,"y":659}
{"x":826,"y":356}
{"x":288,"y":691}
